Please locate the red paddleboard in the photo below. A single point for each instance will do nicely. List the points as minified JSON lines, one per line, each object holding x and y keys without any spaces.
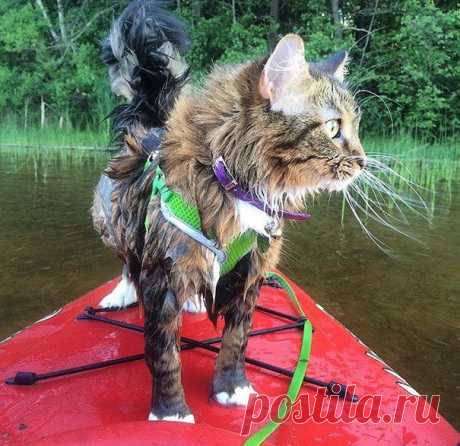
{"x":109,"y":406}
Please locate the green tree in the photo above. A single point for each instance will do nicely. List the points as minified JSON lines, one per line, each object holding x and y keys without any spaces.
{"x":404,"y":68}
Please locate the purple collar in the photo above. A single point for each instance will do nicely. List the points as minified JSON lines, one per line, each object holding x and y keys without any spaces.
{"x":229,"y":183}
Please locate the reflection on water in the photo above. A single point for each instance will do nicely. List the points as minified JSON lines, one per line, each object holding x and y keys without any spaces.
{"x":404,"y":308}
{"x":49,"y":253}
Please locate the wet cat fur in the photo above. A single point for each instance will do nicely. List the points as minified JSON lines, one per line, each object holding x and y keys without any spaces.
{"x":266,"y":118}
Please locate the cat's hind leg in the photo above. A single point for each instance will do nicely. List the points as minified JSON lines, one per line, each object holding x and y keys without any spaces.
{"x":122,"y":295}
{"x":194,"y":305}
{"x":162,"y":309}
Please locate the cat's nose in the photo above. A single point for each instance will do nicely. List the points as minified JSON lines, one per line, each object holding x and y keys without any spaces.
{"x":359,"y":155}
{"x":362,"y":162}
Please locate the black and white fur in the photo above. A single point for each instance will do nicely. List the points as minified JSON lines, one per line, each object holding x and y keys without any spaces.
{"x":144,"y":54}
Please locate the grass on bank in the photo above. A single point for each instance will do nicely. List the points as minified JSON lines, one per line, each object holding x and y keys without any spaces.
{"x":12,"y":136}
{"x":425,"y":167}
{"x":425,"y":164}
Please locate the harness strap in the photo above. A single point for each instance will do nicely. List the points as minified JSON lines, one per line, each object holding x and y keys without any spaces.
{"x":186,"y":217}
{"x":258,"y":437}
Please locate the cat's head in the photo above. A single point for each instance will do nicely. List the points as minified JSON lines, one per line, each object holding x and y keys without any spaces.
{"x":308,"y":124}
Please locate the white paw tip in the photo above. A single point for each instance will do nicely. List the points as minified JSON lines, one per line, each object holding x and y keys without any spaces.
{"x":187,"y":419}
{"x":194,"y":305}
{"x":240,"y":397}
{"x":122,"y":295}
{"x":109,"y":301}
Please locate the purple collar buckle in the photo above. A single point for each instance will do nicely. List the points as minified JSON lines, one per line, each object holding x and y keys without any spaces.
{"x":230,"y":184}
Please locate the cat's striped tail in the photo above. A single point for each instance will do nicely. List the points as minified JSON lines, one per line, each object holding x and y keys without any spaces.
{"x":144,"y":54}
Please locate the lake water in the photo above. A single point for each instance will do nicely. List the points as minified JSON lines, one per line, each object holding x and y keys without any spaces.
{"x":405,"y":308}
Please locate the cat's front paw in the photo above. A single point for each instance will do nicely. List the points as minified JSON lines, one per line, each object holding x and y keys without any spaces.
{"x":177,"y":418}
{"x":239,"y":397}
{"x":232,"y":389}
{"x":171,"y":411}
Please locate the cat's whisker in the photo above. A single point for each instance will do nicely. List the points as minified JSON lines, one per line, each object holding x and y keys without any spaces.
{"x":370,"y":212}
{"x":388,"y":171}
{"x":376,"y":194}
{"x":381,"y":198}
{"x":379,"y":243}
{"x":379,"y":97}
{"x":381,"y":168}
{"x":378,"y":204}
{"x":377,"y":155}
{"x":412,"y":204}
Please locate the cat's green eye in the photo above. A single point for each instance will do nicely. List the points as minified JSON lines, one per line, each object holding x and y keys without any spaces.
{"x":333,"y":128}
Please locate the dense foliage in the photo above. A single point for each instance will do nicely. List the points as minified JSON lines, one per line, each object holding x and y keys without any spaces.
{"x":405,"y":55}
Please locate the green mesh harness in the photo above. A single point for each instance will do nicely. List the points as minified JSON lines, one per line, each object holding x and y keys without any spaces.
{"x":188,"y":217}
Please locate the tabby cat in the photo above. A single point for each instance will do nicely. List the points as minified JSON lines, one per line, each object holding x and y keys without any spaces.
{"x":283,"y":128}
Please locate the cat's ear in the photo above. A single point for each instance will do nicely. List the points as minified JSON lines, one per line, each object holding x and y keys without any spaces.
{"x":286,"y":63}
{"x":335,"y":65}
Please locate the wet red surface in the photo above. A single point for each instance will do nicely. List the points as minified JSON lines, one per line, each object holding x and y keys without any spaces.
{"x":110,"y":406}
